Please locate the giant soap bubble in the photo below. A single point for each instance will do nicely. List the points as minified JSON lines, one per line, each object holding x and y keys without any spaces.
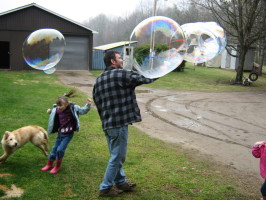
{"x":205,"y":40}
{"x":165,"y":39}
{"x":50,"y":70}
{"x":43,"y":48}
{"x":218,"y":31}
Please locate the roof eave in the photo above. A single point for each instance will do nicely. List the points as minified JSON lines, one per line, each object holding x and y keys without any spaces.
{"x":54,"y":13}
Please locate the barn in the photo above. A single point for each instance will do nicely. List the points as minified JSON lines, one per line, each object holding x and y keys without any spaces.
{"x":99,"y":51}
{"x":17,"y":24}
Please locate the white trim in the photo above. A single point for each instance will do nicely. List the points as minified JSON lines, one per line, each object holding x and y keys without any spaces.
{"x":114,"y":45}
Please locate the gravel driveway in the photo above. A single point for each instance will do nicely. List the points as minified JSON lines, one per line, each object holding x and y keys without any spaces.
{"x":220,"y":127}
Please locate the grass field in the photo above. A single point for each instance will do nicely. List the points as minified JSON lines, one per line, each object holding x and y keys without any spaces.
{"x":204,"y":79}
{"x":162,"y":171}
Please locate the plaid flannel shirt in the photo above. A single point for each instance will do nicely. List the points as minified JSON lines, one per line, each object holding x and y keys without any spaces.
{"x":115,"y":98}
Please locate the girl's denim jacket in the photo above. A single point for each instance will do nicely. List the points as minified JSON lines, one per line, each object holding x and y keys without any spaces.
{"x":53,"y":123}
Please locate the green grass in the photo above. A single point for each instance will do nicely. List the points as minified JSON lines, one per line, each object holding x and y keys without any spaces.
{"x":162,"y":171}
{"x":203,"y":79}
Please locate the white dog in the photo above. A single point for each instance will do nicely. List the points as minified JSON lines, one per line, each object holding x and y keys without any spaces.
{"x":12,"y":141}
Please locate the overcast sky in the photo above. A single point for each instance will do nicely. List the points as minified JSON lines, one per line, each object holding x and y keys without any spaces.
{"x":77,"y":10}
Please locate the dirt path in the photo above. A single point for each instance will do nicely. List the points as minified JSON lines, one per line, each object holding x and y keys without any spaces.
{"x":221,"y":127}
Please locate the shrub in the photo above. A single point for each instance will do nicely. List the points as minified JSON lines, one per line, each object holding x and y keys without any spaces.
{"x":141,"y":52}
{"x":181,"y":67}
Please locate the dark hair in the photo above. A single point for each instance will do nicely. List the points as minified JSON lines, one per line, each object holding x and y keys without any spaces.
{"x":64,"y":99}
{"x":109,"y":55}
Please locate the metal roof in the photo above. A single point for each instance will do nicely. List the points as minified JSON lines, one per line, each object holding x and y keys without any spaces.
{"x":113,"y":45}
{"x":36,"y":5}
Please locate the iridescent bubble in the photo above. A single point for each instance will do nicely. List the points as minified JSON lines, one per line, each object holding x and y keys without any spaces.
{"x":50,"y":70}
{"x":164,"y":39}
{"x":203,"y":41}
{"x":218,"y":31}
{"x":43,"y":48}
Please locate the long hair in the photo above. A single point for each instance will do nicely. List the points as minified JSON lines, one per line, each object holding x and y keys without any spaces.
{"x":64,"y":99}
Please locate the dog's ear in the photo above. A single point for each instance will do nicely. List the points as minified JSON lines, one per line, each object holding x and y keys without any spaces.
{"x":6,"y":134}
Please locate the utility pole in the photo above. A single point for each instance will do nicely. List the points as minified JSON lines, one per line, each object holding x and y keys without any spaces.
{"x":152,"y":28}
{"x":152,"y":53}
{"x":152,"y":40}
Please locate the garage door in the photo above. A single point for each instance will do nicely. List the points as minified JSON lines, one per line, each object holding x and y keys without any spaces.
{"x":76,"y":54}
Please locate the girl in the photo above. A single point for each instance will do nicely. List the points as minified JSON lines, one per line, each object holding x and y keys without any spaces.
{"x":259,"y":151}
{"x":64,"y":120}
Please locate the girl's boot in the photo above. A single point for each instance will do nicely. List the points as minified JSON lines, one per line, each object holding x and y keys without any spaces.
{"x":57,"y":167}
{"x":48,"y":166}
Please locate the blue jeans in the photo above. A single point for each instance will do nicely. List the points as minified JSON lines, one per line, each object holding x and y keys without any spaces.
{"x":59,"y":148}
{"x":117,"y":139}
{"x":263,"y":189}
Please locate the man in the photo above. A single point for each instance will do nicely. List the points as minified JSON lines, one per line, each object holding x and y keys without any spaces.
{"x":115,"y":99}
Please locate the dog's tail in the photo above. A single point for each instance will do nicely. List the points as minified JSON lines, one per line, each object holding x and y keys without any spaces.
{"x":46,"y":138}
{"x":45,"y":133}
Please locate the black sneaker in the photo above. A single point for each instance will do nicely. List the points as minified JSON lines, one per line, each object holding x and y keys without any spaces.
{"x":110,"y":192}
{"x":127,"y":187}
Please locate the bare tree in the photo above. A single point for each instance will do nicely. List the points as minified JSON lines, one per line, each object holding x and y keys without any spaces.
{"x":261,"y":53}
{"x":244,"y":22}
{"x":100,"y":24}
{"x":117,"y":29}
